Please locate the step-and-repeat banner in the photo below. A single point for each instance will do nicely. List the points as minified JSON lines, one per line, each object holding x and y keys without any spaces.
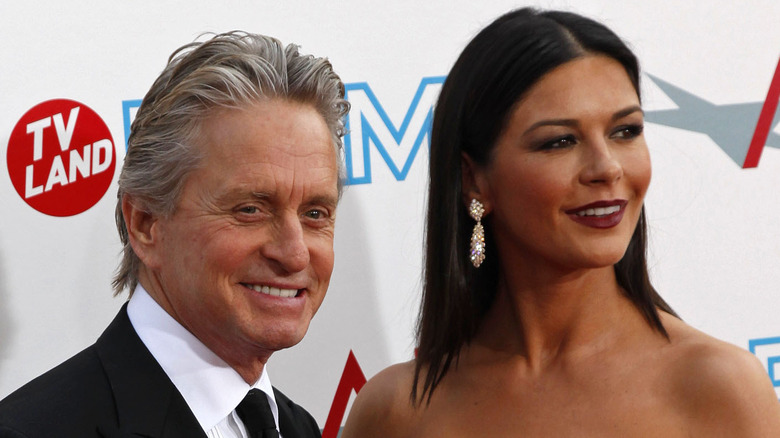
{"x":711,"y":87}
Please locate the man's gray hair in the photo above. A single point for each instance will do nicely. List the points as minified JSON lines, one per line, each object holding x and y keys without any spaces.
{"x":231,"y":70}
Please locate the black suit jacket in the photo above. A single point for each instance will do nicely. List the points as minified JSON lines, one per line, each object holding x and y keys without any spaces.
{"x":115,"y":388}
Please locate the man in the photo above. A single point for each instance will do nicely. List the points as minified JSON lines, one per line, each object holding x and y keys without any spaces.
{"x":226,"y":210}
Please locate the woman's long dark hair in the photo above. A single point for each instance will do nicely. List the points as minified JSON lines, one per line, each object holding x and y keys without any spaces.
{"x":492,"y":74}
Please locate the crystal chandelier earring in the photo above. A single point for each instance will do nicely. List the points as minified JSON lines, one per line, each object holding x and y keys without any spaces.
{"x":477,"y":254}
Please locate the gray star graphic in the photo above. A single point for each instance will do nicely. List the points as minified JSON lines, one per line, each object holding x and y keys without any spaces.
{"x":730,"y":126}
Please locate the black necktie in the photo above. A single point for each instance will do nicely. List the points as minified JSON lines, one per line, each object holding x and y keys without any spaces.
{"x":255,"y":412}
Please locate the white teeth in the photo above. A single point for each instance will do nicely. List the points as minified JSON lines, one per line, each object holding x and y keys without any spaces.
{"x":275,"y":291}
{"x":600,"y":211}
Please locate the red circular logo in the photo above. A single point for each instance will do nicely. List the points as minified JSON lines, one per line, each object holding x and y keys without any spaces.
{"x":61,"y":157}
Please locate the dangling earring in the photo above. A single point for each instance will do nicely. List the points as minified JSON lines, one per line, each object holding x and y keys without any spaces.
{"x":477,"y":255}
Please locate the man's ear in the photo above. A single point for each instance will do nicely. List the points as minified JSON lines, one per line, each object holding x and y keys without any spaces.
{"x":474,"y":182}
{"x":142,"y":231}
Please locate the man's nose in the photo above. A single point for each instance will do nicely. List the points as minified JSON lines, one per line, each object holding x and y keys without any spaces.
{"x":287,"y":245}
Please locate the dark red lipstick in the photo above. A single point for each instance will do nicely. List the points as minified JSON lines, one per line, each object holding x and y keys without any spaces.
{"x":600,"y":214}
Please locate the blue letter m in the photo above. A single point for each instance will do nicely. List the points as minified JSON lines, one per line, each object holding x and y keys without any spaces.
{"x":402,"y":149}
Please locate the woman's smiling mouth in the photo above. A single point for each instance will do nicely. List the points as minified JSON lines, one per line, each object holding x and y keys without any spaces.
{"x":600,"y":214}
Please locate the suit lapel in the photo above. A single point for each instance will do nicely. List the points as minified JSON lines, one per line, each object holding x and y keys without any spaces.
{"x":147,"y":402}
{"x":294,"y":422}
{"x":287,"y":426}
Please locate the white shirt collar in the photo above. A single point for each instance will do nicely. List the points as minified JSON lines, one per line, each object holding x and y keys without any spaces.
{"x":211,"y":388}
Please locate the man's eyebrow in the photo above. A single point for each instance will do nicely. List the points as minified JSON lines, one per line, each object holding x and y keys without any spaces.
{"x":572,"y":122}
{"x":238,"y":192}
{"x":241,"y":194}
{"x":328,"y":200}
{"x":260,"y":195}
{"x":321,"y":199}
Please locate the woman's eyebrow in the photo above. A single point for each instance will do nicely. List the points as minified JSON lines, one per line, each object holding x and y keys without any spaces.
{"x":572,"y":122}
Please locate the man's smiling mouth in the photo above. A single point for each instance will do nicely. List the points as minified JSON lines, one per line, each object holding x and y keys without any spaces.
{"x":273,"y":291}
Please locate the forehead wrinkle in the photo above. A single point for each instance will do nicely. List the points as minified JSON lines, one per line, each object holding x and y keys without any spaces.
{"x":279,"y":183}
{"x":274,"y":171}
{"x":323,"y":190}
{"x":275,"y":177}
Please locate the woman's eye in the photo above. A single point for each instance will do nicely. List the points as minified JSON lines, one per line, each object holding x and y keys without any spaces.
{"x":559,"y":143}
{"x":628,"y":132}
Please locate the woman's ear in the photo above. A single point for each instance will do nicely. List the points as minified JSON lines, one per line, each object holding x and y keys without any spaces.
{"x":141,"y":231}
{"x":474,"y":182}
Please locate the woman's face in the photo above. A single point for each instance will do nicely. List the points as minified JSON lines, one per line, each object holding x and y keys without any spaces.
{"x":568,"y":176}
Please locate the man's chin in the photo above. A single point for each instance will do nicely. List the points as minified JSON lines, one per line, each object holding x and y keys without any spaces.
{"x":282,"y":339}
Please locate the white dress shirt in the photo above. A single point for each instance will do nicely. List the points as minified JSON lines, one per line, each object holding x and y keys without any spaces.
{"x":211,"y":388}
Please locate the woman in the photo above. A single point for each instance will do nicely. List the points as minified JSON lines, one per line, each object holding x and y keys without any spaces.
{"x":538,"y":318}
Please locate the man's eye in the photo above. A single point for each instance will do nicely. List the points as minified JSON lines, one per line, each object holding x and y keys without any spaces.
{"x":314,"y":214}
{"x":249,"y":209}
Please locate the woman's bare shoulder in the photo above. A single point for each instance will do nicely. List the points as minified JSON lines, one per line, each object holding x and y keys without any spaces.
{"x":723,"y":388}
{"x":383,"y":406}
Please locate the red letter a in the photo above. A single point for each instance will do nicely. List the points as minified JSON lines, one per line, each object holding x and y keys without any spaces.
{"x":352,"y":378}
{"x":764,"y":122}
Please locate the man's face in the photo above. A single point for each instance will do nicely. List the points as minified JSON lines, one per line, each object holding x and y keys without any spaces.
{"x":245,"y":260}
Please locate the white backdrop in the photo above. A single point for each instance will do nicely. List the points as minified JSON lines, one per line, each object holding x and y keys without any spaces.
{"x":715,"y":227}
